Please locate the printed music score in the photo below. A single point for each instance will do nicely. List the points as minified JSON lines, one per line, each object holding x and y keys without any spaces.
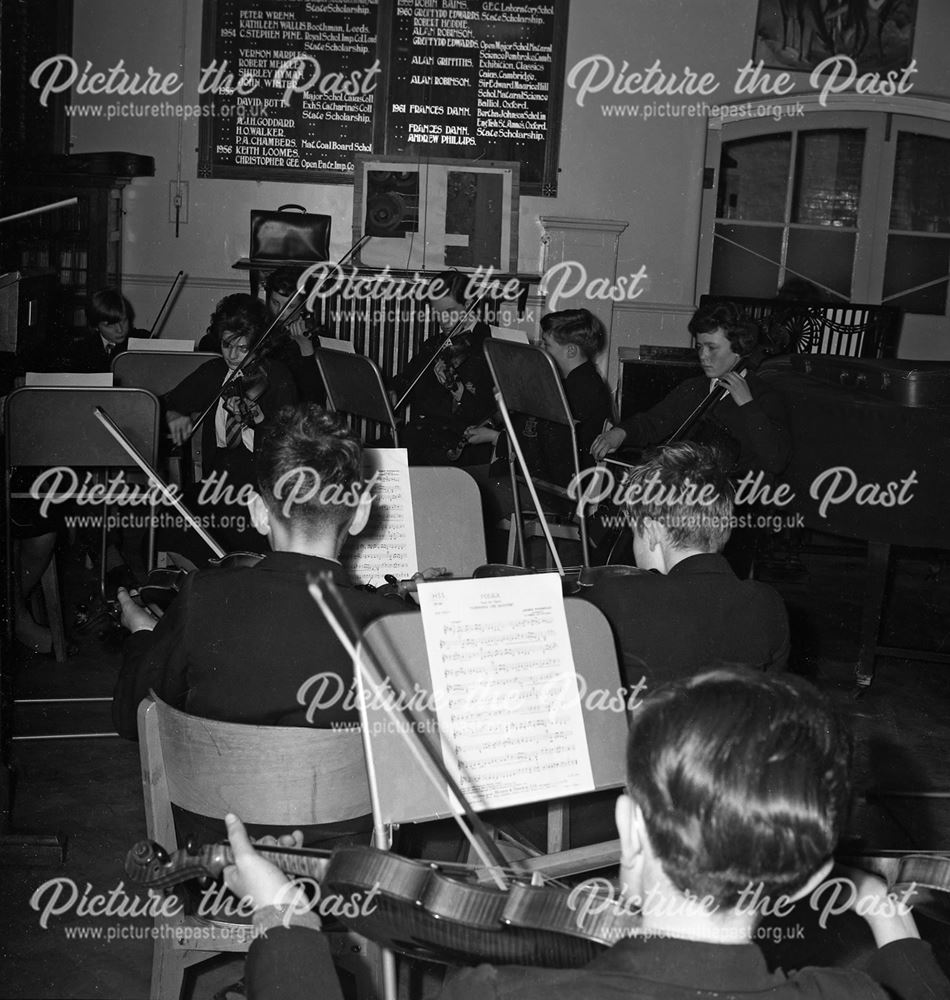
{"x":388,"y":542}
{"x":505,"y":689}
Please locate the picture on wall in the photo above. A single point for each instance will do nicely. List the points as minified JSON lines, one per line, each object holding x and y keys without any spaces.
{"x":437,"y":213}
{"x":800,"y":34}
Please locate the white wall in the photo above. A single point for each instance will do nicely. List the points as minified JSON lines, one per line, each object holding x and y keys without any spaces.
{"x":647,"y":173}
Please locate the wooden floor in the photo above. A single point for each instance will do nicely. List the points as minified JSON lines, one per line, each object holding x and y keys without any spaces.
{"x":90,"y":791}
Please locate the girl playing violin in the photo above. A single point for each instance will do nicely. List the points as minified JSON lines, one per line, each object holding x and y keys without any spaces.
{"x":228,"y":432}
{"x":456,"y":391}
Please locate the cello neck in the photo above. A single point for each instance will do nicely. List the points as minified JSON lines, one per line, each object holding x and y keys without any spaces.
{"x":708,"y":403}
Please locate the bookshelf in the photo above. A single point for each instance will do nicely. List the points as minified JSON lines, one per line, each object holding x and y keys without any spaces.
{"x":80,"y":244}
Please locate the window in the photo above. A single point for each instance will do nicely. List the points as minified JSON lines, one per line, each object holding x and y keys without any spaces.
{"x":857,"y":203}
{"x":792,"y":202}
{"x":918,"y":239}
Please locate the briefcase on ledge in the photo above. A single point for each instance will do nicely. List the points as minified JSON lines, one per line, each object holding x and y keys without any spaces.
{"x":289,"y":237}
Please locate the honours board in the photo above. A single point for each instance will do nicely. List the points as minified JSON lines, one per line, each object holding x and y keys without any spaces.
{"x":295,"y":89}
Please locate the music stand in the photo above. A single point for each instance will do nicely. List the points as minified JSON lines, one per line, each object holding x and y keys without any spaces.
{"x":355,"y":386}
{"x":528,"y":383}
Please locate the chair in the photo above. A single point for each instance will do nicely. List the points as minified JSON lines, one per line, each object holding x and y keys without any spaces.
{"x":528,"y":383}
{"x":160,"y":372}
{"x":404,"y":797}
{"x":265,"y":774}
{"x":48,"y":427}
{"x":447,"y":517}
{"x":355,"y":386}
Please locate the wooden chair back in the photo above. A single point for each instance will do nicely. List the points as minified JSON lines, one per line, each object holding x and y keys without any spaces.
{"x":273,"y":775}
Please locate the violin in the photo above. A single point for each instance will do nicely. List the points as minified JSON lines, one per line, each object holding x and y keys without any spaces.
{"x":462,"y":327}
{"x":434,"y":912}
{"x":251,"y":361}
{"x":925,"y":875}
{"x":443,"y":913}
{"x":162,"y":585}
{"x":241,"y":395}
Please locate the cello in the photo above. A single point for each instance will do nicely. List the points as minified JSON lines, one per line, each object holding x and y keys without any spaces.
{"x":621,"y":539}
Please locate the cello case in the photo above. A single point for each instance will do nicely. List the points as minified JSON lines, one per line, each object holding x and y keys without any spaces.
{"x":908,"y":382}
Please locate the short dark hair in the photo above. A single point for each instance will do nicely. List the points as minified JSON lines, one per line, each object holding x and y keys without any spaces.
{"x":108,"y":306}
{"x":308,"y":461}
{"x":742,"y":777}
{"x":685,"y":487}
{"x":451,"y":283}
{"x":283,"y":281}
{"x":742,"y":333}
{"x":576,"y":326}
{"x":239,"y":315}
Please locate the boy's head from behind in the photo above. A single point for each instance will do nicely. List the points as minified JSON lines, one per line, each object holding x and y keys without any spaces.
{"x":741,"y":777}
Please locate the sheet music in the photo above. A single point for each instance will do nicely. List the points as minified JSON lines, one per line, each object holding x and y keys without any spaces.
{"x":70,"y":380}
{"x":510,"y":333}
{"x":388,"y":542}
{"x":161,"y":344}
{"x":333,"y":344}
{"x":505,"y":689}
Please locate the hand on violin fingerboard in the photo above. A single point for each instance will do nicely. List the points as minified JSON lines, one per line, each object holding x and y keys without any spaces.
{"x":887,"y":915}
{"x":252,"y":876}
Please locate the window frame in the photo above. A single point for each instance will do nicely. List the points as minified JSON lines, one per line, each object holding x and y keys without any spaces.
{"x":881,"y":118}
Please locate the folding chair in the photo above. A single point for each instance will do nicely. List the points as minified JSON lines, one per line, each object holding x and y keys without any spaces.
{"x":528,"y":384}
{"x":48,"y":427}
{"x":355,"y":386}
{"x":404,"y":797}
{"x":160,"y":372}
{"x":275,"y":775}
